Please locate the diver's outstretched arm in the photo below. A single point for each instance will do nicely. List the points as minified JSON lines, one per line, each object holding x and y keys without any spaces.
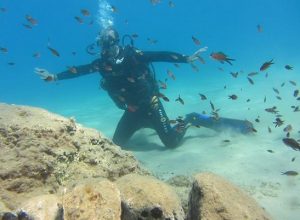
{"x":167,"y":56}
{"x":72,"y":72}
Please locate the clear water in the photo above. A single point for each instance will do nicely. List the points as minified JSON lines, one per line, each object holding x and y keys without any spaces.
{"x":228,"y":26}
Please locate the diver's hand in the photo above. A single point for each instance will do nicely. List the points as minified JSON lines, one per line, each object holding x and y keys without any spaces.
{"x":45,"y":74}
{"x":196,"y":55}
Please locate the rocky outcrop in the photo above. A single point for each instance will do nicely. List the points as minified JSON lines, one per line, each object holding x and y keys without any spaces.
{"x":43,"y":207}
{"x":93,"y":200}
{"x":42,"y":151}
{"x":213,"y":198}
{"x":145,"y":197}
{"x":53,"y":168}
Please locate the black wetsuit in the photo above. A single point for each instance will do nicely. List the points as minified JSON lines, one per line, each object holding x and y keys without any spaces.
{"x":132,"y":86}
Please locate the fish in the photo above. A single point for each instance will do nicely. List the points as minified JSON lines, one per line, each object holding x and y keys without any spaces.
{"x":290,"y":142}
{"x":11,"y":63}
{"x":234,"y":75}
{"x":288,"y":128}
{"x":252,"y":73}
{"x":233,"y":97}
{"x":282,"y":84}
{"x":288,"y":67}
{"x":154,"y":2}
{"x":203,"y":97}
{"x":248,"y":100}
{"x":31,"y":20}
{"x":176,"y":65}
{"x":179,"y":99}
{"x":278,"y":97}
{"x":266,"y":65}
{"x":278,"y":122}
{"x":165,"y":98}
{"x":3,"y":10}
{"x":272,"y":110}
{"x":152,"y":41}
{"x":276,"y":90}
{"x":296,"y":93}
{"x":85,"y":12}
{"x":36,"y":55}
{"x":163,"y":85}
{"x":290,"y":173}
{"x":221,"y":57}
{"x":265,"y":99}
{"x":27,"y":26}
{"x":171,"y":74}
{"x":171,"y":4}
{"x":257,"y":119}
{"x":134,"y":35}
{"x":293,"y":83}
{"x":226,"y":141}
{"x":212,"y":105}
{"x":296,"y":109}
{"x":293,"y":159}
{"x":259,"y":28}
{"x":196,"y":41}
{"x":3,"y":50}
{"x":250,"y":81}
{"x":78,"y":19}
{"x":53,"y":51}
{"x":269,"y":130}
{"x":114,"y":9}
{"x":270,"y":151}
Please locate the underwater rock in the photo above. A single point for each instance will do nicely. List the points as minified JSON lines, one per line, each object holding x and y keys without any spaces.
{"x":144,"y":197}
{"x":42,"y":151}
{"x":93,"y":200}
{"x":43,"y":207}
{"x":214,"y":198}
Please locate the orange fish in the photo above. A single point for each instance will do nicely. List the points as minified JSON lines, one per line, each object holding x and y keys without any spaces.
{"x":266,"y":65}
{"x":171,"y":74}
{"x":221,"y":57}
{"x":31,"y":20}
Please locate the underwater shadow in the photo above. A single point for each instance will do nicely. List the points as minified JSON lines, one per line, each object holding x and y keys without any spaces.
{"x":141,"y":143}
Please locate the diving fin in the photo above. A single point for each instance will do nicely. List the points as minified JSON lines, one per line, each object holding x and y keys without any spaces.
{"x":220,"y":124}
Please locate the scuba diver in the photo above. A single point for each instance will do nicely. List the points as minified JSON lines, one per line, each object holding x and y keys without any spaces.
{"x":131,"y":84}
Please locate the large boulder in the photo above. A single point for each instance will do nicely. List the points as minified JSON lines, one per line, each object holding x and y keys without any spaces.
{"x":213,"y":198}
{"x":42,"y":151}
{"x":44,"y":207}
{"x":93,"y":200}
{"x":144,"y":197}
